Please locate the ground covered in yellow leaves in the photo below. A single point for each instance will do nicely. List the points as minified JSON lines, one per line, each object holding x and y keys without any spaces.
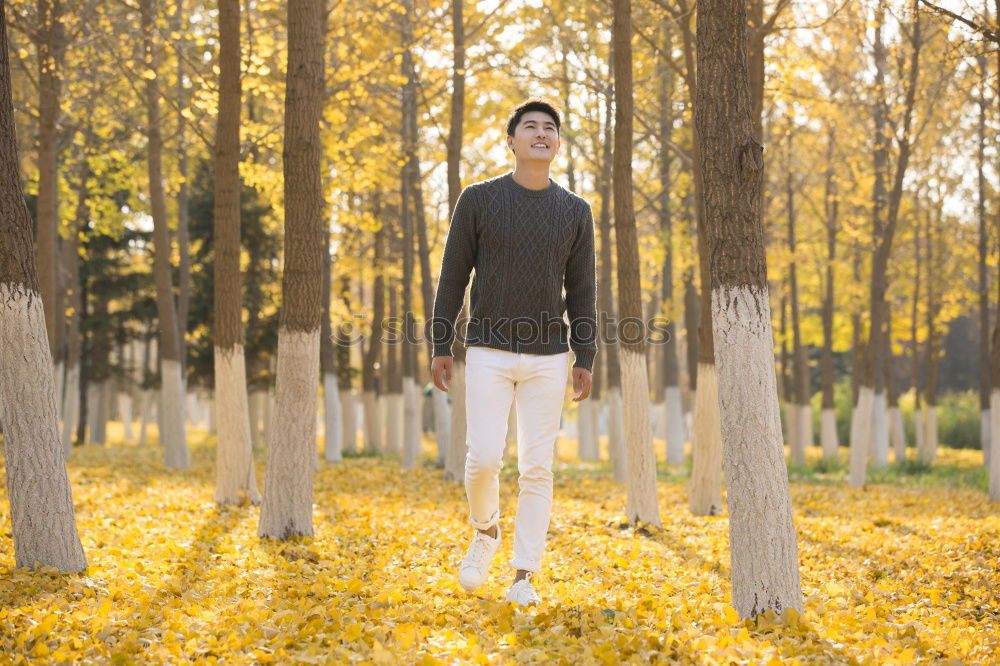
{"x":890,"y":574}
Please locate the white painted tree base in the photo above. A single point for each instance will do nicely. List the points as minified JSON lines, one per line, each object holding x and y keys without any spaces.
{"x":861,"y":437}
{"x":616,"y":436}
{"x":373,"y":423}
{"x":673,"y":420}
{"x":641,"y":503}
{"x":930,"y":434}
{"x":706,"y":447}
{"x":763,"y":548}
{"x":994,"y":487}
{"x":586,"y":431}
{"x":349,"y":415}
{"x":291,"y":451}
{"x":880,"y":431}
{"x":457,"y":446}
{"x":897,"y":435}
{"x":256,"y":409}
{"x":791,"y":427}
{"x":191,"y":409}
{"x":392,"y":404}
{"x":126,"y":415}
{"x":657,"y":421}
{"x":332,"y":429}
{"x":43,"y":523}
{"x":71,"y":409}
{"x":411,"y":423}
{"x":828,"y":434}
{"x":798,"y":431}
{"x":235,"y":480}
{"x":442,"y":413}
{"x":173,"y":437}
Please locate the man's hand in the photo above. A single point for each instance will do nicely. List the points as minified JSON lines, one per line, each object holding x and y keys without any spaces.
{"x":581,"y":384}
{"x":441,"y":369}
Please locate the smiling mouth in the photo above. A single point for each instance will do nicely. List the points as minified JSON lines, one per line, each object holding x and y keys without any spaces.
{"x":540,"y":145}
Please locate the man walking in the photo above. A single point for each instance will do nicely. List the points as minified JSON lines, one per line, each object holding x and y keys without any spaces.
{"x":527,"y":238}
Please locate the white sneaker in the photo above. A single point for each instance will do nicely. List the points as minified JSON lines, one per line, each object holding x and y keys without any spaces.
{"x":475,"y":567}
{"x":522,"y":592}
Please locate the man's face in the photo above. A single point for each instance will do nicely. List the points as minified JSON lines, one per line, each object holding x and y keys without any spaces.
{"x":536,"y":137}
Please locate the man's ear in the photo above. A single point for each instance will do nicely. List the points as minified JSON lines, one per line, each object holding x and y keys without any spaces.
{"x":510,"y":143}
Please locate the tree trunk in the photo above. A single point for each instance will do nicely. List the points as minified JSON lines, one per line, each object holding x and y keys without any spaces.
{"x":929,"y":454}
{"x":597,"y":393}
{"x":457,"y":426}
{"x":100,"y":358}
{"x":994,"y":487}
{"x":41,"y":504}
{"x":332,"y":416}
{"x":984,"y":297}
{"x":345,"y":382}
{"x":371,"y":390}
{"x":642,"y":505}
{"x":291,"y":449}
{"x":706,"y":446}
{"x":173,"y":438}
{"x":235,"y":478}
{"x":443,"y":418}
{"x":864,"y":425}
{"x":802,"y":438}
{"x":606,"y":304}
{"x":393,"y":398}
{"x":880,"y":414}
{"x":588,"y":446}
{"x":897,"y":436}
{"x":918,"y":419}
{"x":183,"y":236}
{"x":672,"y":415}
{"x":146,"y":396}
{"x":124,"y":392}
{"x":764,"y":553}
{"x":74,"y":302}
{"x":411,"y":438}
{"x":831,"y":206}
{"x":51,"y":46}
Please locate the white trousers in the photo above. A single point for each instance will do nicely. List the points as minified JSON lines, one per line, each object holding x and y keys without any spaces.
{"x":537,"y":384}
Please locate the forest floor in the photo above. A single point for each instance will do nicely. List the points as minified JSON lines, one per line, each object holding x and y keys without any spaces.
{"x":907,"y":570}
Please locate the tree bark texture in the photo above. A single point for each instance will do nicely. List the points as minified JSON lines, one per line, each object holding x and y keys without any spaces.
{"x":291,"y":451}
{"x":765,"y":565}
{"x":641,"y":500}
{"x":234,"y":459}
{"x":41,"y":503}
{"x":173,"y":438}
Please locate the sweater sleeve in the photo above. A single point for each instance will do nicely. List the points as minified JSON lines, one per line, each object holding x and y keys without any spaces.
{"x":456,"y":265}
{"x":581,"y":293}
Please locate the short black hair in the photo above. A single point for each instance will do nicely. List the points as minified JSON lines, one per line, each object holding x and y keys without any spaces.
{"x":532,"y":104}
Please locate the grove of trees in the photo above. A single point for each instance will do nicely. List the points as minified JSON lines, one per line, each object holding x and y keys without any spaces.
{"x":229,"y":216}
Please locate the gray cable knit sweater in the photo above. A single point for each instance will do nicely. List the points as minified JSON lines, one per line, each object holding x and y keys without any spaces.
{"x":525,"y":246}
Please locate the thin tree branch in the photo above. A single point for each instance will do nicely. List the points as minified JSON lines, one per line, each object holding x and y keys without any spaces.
{"x":991,"y":35}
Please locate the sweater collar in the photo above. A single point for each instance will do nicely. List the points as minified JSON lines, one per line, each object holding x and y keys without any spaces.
{"x":516,"y":187}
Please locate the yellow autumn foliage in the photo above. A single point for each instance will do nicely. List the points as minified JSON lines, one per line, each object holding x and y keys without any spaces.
{"x":889,"y":575}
